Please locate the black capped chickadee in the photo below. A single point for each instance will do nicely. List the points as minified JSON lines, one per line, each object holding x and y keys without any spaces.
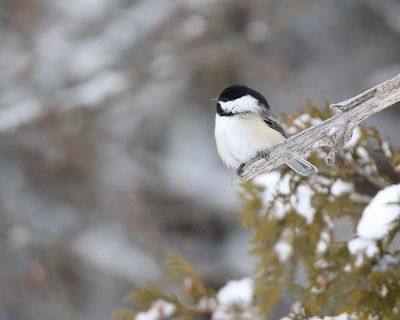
{"x":244,"y":129}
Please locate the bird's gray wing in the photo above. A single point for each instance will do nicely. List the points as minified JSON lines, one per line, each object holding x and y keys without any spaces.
{"x":274,"y":124}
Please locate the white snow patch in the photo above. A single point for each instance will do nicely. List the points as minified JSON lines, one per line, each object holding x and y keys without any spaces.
{"x":321,"y":264}
{"x":275,"y":184}
{"x":297,"y":307}
{"x":237,"y":293}
{"x":323,"y":184}
{"x":159,"y":310}
{"x":359,"y":261}
{"x":316,"y":290}
{"x":384,"y":291}
{"x":284,"y":250}
{"x":301,"y":120}
{"x":376,"y":222}
{"x":347,"y":268}
{"x":304,"y":119}
{"x":363,"y":153}
{"x":371,"y":169}
{"x":340,"y":187}
{"x":207,"y":304}
{"x":292,"y":130}
{"x":304,"y":208}
{"x":359,"y":246}
{"x":328,"y":221}
{"x":151,"y":314}
{"x":380,"y":214}
{"x":235,"y":300}
{"x":386,"y":149}
{"x":322,"y":244}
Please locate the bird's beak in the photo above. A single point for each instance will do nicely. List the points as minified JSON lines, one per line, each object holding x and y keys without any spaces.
{"x":214,"y":100}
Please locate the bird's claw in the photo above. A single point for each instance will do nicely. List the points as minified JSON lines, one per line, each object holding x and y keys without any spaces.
{"x":263,"y":155}
{"x":260,"y":155}
{"x":240,"y":170}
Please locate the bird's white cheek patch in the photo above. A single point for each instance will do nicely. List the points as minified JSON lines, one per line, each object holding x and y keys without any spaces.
{"x":243,"y":104}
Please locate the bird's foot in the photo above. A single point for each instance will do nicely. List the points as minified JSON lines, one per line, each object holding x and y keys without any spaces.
{"x":239,"y":170}
{"x":264,"y":154}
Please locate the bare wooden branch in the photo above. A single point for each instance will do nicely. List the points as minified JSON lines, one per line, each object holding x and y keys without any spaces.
{"x":333,"y":132}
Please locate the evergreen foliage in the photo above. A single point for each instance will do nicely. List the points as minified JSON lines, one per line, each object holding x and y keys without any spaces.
{"x":294,"y":223}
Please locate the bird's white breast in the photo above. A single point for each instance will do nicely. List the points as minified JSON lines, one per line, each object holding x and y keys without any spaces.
{"x":239,"y":138}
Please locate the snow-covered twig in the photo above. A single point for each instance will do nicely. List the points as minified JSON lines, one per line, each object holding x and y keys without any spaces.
{"x":333,"y":132}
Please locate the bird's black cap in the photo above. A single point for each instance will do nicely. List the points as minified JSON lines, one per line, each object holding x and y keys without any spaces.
{"x":237,"y":91}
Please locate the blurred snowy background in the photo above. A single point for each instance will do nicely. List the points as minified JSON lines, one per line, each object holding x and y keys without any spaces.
{"x":107,"y":152}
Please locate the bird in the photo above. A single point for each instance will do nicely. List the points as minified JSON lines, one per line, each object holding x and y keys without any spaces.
{"x":245,"y":129}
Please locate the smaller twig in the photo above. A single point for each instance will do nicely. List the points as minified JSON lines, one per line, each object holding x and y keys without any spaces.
{"x":377,"y":182}
{"x":352,"y":102}
{"x":360,"y":198}
{"x":339,"y":139}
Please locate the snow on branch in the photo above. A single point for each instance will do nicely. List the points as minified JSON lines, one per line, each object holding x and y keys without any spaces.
{"x":333,"y":132}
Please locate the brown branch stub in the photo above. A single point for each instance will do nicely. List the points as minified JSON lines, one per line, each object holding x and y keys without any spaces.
{"x":333,"y":132}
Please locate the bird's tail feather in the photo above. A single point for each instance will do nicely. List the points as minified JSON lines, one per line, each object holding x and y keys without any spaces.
{"x":302,"y":166}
